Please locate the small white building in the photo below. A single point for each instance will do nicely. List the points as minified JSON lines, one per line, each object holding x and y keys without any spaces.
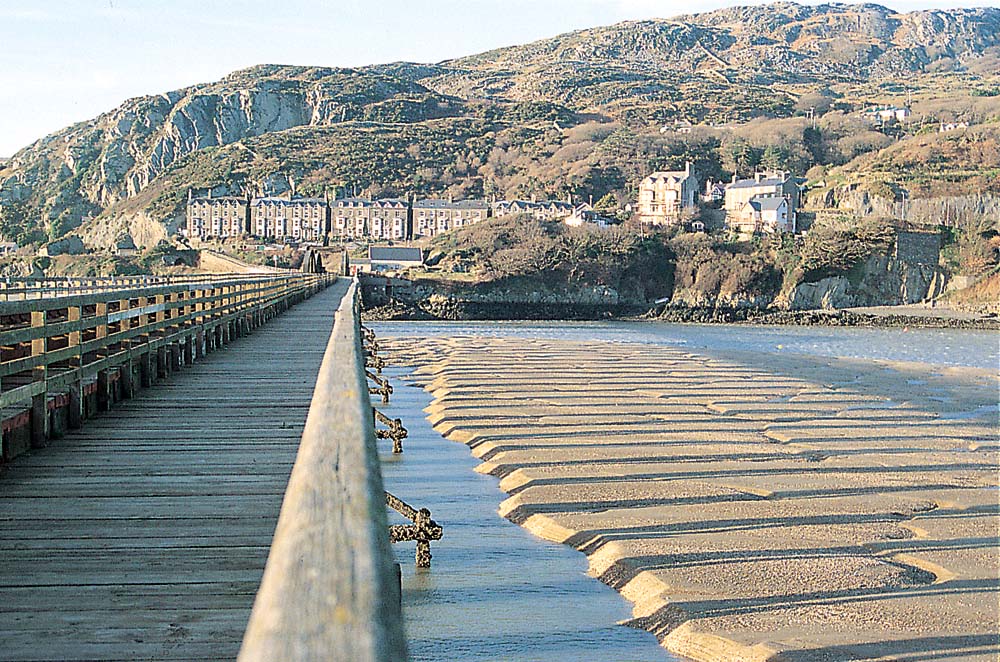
{"x":883,"y":114}
{"x":585,"y":215}
{"x":952,"y":126}
{"x":394,"y":258}
{"x":767,"y":214}
{"x":125,"y":247}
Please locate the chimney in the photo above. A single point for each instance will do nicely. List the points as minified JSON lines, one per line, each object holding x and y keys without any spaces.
{"x":734,"y":178}
{"x":759,"y":176}
{"x":534,"y":198}
{"x":209,"y":194}
{"x":451,"y":198}
{"x":687,"y":167}
{"x":591,"y":203}
{"x":189,"y":196}
{"x":569,"y":198}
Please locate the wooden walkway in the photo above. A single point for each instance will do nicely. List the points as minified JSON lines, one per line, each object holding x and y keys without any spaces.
{"x":144,"y":535}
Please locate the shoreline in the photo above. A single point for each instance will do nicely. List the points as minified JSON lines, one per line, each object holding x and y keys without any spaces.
{"x":535,"y":431}
{"x":568,"y":312}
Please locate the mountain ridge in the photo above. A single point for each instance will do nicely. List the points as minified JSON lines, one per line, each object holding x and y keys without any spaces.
{"x":727,"y":66}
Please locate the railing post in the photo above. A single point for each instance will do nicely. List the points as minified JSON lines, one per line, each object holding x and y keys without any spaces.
{"x":39,"y":375}
{"x":74,"y":415}
{"x":125,"y":376}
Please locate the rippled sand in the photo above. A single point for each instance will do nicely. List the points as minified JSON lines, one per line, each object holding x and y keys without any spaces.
{"x":752,"y":507}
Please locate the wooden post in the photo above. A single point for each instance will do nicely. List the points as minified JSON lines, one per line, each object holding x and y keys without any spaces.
{"x":127,"y":380}
{"x":39,"y":374}
{"x":74,"y":415}
{"x":162,"y":364}
{"x":103,"y":391}
{"x":147,"y":369}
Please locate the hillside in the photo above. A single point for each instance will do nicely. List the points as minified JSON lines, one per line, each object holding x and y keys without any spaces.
{"x":579,"y":114}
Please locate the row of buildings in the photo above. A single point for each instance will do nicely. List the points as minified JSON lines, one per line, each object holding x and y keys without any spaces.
{"x":290,"y":218}
{"x":767,"y":202}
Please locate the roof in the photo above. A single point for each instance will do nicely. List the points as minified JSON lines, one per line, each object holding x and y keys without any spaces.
{"x":219,"y":198}
{"x":285,"y":202}
{"x":675,"y":175}
{"x":125,"y":243}
{"x":753,"y":183}
{"x":395,"y":254}
{"x":527,"y":204}
{"x":437,"y":203}
{"x":351,"y":202}
{"x":773,"y":203}
{"x":390,"y":202}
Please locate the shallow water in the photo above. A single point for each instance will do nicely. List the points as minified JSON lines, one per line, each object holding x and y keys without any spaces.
{"x":498,"y":593}
{"x":976,"y":349}
{"x":494,"y":591}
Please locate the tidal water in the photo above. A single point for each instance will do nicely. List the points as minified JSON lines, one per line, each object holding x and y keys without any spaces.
{"x":951,"y":347}
{"x":495,"y":592}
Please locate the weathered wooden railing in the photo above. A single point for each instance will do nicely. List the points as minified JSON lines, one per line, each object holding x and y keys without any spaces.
{"x":70,"y":350}
{"x":330,"y":590}
{"x":20,"y":289}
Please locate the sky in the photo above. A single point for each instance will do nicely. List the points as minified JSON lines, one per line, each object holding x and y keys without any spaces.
{"x":67,"y":61}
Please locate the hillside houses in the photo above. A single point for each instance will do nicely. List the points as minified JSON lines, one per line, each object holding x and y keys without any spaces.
{"x":289,"y":218}
{"x":432,"y":216}
{"x":585,"y":215}
{"x":545,"y":210}
{"x":390,"y":219}
{"x":664,"y":195}
{"x":224,"y":217}
{"x":350,"y":218}
{"x":766,"y":203}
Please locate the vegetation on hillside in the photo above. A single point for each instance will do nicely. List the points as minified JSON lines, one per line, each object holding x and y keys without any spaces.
{"x":692,"y":268}
{"x":583,"y":115}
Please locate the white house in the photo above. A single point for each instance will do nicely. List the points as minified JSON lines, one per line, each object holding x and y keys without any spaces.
{"x":767,"y":214}
{"x":585,"y":215}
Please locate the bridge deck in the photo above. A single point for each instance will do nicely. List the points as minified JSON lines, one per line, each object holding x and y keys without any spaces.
{"x":144,"y":535}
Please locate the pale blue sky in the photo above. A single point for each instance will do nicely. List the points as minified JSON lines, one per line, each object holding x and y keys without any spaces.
{"x":69,"y":60}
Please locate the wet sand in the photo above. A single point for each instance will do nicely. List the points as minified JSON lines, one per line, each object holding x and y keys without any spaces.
{"x":809,"y":509}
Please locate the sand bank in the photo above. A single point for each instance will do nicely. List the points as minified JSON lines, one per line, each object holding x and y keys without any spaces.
{"x":803,"y":510}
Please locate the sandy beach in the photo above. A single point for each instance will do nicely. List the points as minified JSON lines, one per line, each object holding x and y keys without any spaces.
{"x":809,"y":509}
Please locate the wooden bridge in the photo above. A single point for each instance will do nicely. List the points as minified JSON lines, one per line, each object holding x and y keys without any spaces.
{"x":135,"y":523}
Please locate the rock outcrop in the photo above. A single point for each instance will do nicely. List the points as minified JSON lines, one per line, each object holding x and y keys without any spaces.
{"x":728,"y":65}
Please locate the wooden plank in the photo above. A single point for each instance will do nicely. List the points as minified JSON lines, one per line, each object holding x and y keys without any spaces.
{"x":329,"y":591}
{"x":144,"y":535}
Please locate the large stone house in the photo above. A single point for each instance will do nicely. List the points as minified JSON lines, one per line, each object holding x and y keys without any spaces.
{"x":750,"y":206}
{"x":217,"y":217}
{"x":390,"y":219}
{"x":433,"y":216}
{"x":351,"y":218}
{"x":289,"y":218}
{"x":665,"y":194}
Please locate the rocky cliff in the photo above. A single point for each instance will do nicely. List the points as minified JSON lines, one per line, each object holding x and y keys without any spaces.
{"x":91,"y":166}
{"x":478,"y":124}
{"x":882,"y":280}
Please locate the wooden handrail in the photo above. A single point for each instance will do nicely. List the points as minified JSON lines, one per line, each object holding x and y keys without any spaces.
{"x":330,"y":590}
{"x":53,"y":345}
